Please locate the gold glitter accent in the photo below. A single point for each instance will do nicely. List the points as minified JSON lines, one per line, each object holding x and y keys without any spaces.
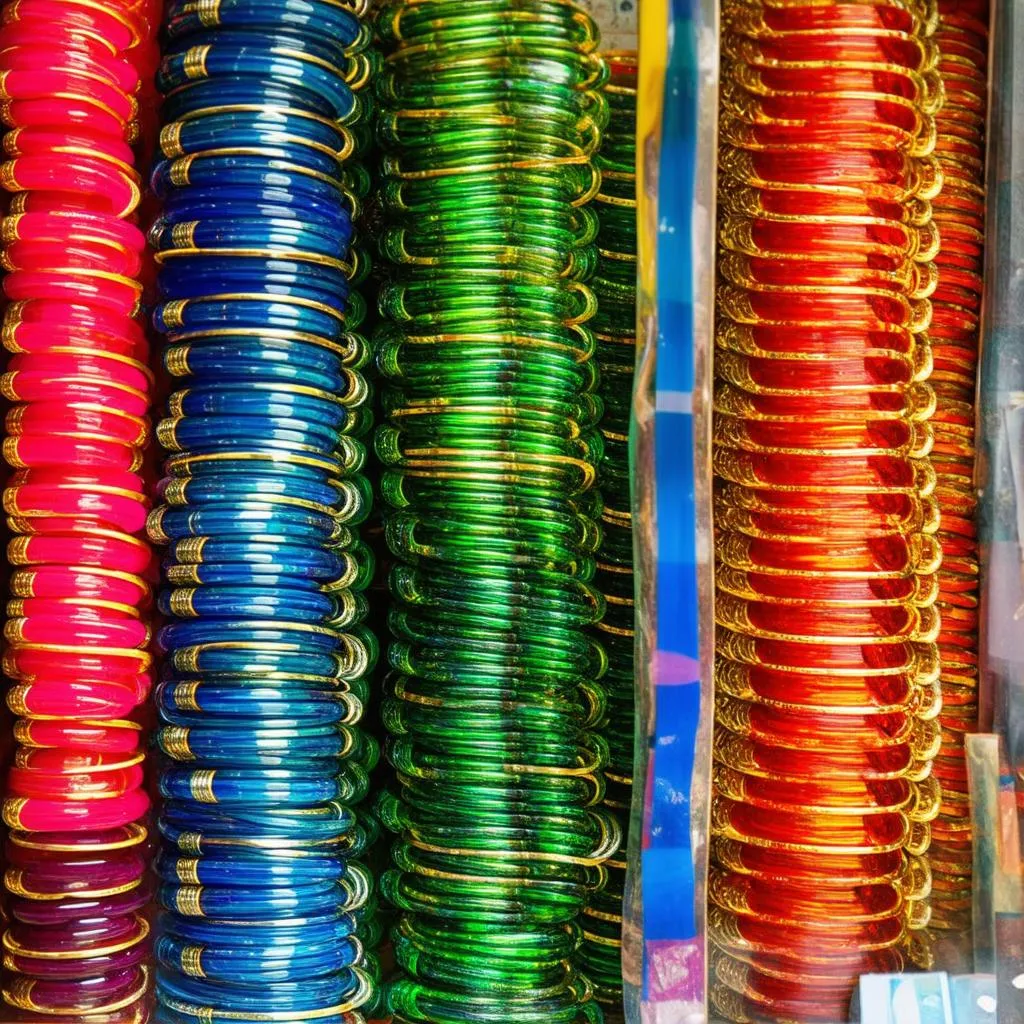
{"x":190,"y":549}
{"x":187,"y":869}
{"x":12,"y":810}
{"x":191,"y":961}
{"x":174,"y":740}
{"x":200,"y":785}
{"x":183,"y":235}
{"x":171,"y":314}
{"x":188,"y":901}
{"x":176,"y":360}
{"x":194,"y":64}
{"x":181,"y":602}
{"x":179,"y":171}
{"x":170,"y":139}
{"x":16,"y":699}
{"x":185,"y":695}
{"x":209,"y":12}
{"x":190,"y":842}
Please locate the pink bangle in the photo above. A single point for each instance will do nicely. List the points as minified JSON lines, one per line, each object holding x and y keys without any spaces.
{"x":25,"y":386}
{"x":51,"y":417}
{"x":36,"y":815}
{"x":57,"y":226}
{"x":117,"y":27}
{"x":86,"y":786}
{"x":53,"y":448}
{"x":74,"y":111}
{"x":46,"y":80}
{"x":119,"y":72}
{"x":88,"y":700}
{"x":114,"y":292}
{"x":95,"y":548}
{"x":113,"y":737}
{"x":86,"y":583}
{"x":102,"y":504}
{"x":122,"y":371}
{"x":72,"y":762}
{"x":57,"y":314}
{"x":70,"y":631}
{"x":83,"y":253}
{"x":26,"y":337}
{"x":128,"y":667}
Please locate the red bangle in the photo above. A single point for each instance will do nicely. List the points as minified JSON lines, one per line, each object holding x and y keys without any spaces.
{"x":88,"y":700}
{"x":56,"y":314}
{"x":107,"y":550}
{"x":88,"y":584}
{"x":52,"y":417}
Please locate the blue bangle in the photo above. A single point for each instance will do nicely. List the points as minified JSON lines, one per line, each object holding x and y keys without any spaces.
{"x":197,"y":632}
{"x":273,"y":200}
{"x":181,"y":18}
{"x":240,"y":903}
{"x":207,"y":488}
{"x":234,"y":786}
{"x":199,"y":433}
{"x":259,"y":965}
{"x":205,"y":1000}
{"x":208,"y":129}
{"x":219,"y":233}
{"x":171,"y":524}
{"x":225,"y":400}
{"x":326,"y":821}
{"x":306,"y":67}
{"x":246,"y":171}
{"x":235,"y":602}
{"x":242,"y":659}
{"x":301,"y":709}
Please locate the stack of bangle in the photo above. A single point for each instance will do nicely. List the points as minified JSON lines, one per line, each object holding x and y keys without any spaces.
{"x":261,"y":891}
{"x":493,"y":115}
{"x":956,"y":311}
{"x":614,"y":326}
{"x":76,"y":859}
{"x":826,"y":664}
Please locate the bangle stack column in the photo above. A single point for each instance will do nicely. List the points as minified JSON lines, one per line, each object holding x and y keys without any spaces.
{"x":493,"y":113}
{"x":614,"y":326}
{"x":959,"y":213}
{"x":827,"y":669}
{"x":263,"y":686}
{"x":77,"y":629}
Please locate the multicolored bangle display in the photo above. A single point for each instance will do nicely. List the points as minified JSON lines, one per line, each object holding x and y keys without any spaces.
{"x":77,"y":859}
{"x":267,"y":913}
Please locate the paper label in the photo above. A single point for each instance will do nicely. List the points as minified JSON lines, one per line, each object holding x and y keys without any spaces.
{"x":617,"y":21}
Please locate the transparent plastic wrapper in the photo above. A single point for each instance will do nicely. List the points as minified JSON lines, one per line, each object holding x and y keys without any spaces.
{"x":999,"y":914}
{"x":663,"y":942}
